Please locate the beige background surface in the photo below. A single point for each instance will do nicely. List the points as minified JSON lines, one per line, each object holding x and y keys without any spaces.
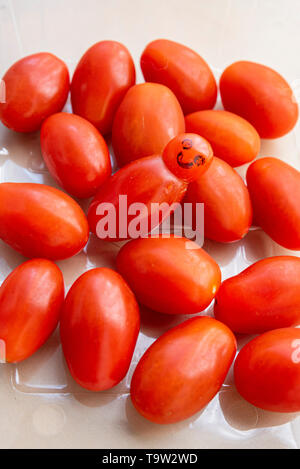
{"x":40,"y":405}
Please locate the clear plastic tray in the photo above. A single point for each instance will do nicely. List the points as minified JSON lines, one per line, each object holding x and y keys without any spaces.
{"x":41,"y":406}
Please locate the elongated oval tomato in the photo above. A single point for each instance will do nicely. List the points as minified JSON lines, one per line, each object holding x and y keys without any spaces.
{"x":183,"y":71}
{"x":35,"y":87}
{"x":227,"y":205}
{"x":274,"y":188}
{"x":75,"y":153}
{"x":183,"y":370}
{"x":132,"y":199}
{"x":31,"y":298}
{"x":102,"y":77}
{"x":99,"y":328}
{"x":261,"y":96}
{"x":169,"y":275}
{"x":232,"y":138}
{"x":41,"y":221}
{"x":267,"y":370}
{"x":148,"y":117}
{"x":264,"y":296}
{"x":188,"y":156}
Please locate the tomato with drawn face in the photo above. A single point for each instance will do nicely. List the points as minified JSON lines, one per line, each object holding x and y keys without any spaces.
{"x":156,"y":183}
{"x":188,"y":156}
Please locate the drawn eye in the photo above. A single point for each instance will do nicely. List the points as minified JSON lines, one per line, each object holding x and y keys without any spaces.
{"x":187,"y":144}
{"x":199,"y":160}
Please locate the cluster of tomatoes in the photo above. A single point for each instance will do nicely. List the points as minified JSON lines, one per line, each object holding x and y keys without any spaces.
{"x":172,"y":147}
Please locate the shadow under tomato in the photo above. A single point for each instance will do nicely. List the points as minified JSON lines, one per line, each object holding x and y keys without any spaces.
{"x":101,"y":253}
{"x":91,"y":398}
{"x":21,"y":148}
{"x":97,"y":399}
{"x":46,"y":373}
{"x":147,"y":431}
{"x":42,"y":372}
{"x":222,"y":253}
{"x":9,"y":259}
{"x":244,"y":416}
{"x":257,"y":246}
{"x":154,"y":324}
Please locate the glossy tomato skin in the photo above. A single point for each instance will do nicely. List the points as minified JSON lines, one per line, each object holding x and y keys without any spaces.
{"x":267,"y":370}
{"x":263,"y":297}
{"x":99,"y":328}
{"x":101,"y":79}
{"x":261,"y":96}
{"x":147,"y":181}
{"x":188,"y":156}
{"x":75,"y":153}
{"x":182,"y":370}
{"x":183,"y":71}
{"x":227,"y":205}
{"x":232,"y":138}
{"x":35,"y":87}
{"x":169,"y":275}
{"x":41,"y":221}
{"x":31,"y":298}
{"x":148,"y":117}
{"x":274,"y":188}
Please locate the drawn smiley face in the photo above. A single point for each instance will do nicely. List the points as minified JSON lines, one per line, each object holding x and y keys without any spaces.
{"x":197,"y":160}
{"x":187,"y":156}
